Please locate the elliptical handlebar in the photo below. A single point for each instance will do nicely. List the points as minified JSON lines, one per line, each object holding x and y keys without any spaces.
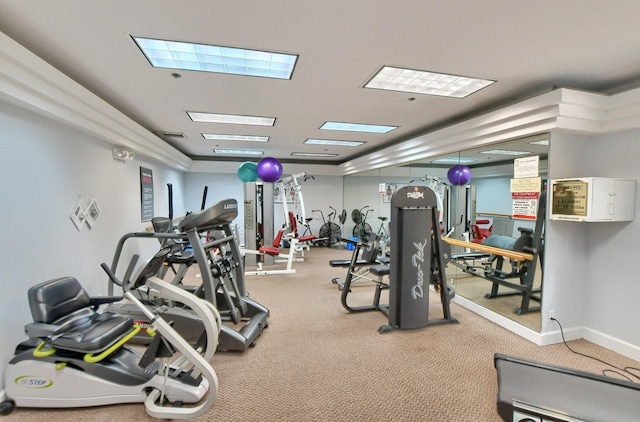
{"x":321,"y":214}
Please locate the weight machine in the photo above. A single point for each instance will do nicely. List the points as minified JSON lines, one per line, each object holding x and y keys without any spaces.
{"x":274,"y":252}
{"x":418,"y":260}
{"x":290,"y":186}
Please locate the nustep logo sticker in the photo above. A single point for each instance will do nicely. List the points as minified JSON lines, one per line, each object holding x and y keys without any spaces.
{"x":30,"y":381}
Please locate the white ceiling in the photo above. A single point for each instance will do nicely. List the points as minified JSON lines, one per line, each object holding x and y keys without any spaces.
{"x":528,"y":47}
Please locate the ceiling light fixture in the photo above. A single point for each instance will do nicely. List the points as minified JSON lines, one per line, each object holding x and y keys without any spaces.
{"x":357,"y":127}
{"x":121,"y":154}
{"x":238,"y":151}
{"x":428,"y":83}
{"x":333,"y":142}
{"x":544,"y":142}
{"x":217,"y":59}
{"x":504,"y":152}
{"x":313,"y":154}
{"x":235,"y":119}
{"x":247,"y":138}
{"x":454,"y":160}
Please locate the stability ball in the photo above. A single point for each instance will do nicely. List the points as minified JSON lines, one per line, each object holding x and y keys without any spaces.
{"x":248,"y":172}
{"x":459,"y":175}
{"x":269,"y":169}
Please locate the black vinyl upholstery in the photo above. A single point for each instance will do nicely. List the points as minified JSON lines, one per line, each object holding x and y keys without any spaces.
{"x":63,"y":307}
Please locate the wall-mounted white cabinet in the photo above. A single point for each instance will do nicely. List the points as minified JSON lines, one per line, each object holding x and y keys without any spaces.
{"x":592,"y":199}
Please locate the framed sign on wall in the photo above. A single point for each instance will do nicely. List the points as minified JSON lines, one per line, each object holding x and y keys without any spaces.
{"x":146,"y":194}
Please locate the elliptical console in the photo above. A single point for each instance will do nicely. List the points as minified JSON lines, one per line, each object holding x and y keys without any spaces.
{"x":223,"y":212}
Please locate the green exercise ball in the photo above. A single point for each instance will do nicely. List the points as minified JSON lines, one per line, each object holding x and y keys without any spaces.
{"x":248,"y":172}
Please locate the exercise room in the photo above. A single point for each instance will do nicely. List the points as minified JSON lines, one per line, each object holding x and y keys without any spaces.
{"x":319,"y":212}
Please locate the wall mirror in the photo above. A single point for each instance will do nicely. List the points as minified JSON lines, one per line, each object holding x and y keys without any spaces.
{"x":486,"y":201}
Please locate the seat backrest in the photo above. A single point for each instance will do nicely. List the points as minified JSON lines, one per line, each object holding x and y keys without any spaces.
{"x":475,"y":233}
{"x":276,"y":241}
{"x":525,"y":239}
{"x":56,"y":298}
{"x":371,"y":253}
{"x":293,"y":223}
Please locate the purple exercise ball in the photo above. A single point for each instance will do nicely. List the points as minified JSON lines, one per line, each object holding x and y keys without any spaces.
{"x":269,"y":169}
{"x":459,"y":175}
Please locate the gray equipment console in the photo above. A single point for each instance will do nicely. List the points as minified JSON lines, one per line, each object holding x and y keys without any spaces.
{"x":222,"y":212}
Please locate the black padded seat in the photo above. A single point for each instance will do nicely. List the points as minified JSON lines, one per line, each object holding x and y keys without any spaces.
{"x":470,"y":255}
{"x":385,"y":260}
{"x":63,"y":317}
{"x":347,"y":262}
{"x":380,"y":270}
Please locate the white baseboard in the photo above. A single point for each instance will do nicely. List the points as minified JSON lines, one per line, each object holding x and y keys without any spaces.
{"x":619,"y":346}
{"x":502,"y":321}
{"x":555,"y":336}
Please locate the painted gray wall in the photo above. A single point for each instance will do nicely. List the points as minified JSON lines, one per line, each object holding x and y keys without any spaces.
{"x":44,"y":167}
{"x":590,"y":281}
{"x":566,"y":249}
{"x":613,"y":288}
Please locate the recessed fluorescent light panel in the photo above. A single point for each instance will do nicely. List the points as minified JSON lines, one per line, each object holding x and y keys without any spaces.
{"x":504,"y":152}
{"x":312,"y":154}
{"x":243,"y":138}
{"x":333,"y":142}
{"x":542,"y":142}
{"x":238,"y":151}
{"x":356,"y":127}
{"x":218,"y":59}
{"x":453,"y":161}
{"x":428,"y":83}
{"x":231,"y":119}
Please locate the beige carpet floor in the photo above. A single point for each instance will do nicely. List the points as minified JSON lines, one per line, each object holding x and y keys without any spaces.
{"x":317,"y":362}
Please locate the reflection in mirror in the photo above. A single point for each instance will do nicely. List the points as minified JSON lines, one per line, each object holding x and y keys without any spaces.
{"x":496,"y":217}
{"x":469,"y":212}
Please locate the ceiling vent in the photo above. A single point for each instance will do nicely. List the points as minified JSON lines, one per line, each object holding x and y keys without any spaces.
{"x":172,"y":135}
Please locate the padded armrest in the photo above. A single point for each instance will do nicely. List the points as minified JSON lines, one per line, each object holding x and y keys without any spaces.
{"x":101,"y":300}
{"x":39,"y":329}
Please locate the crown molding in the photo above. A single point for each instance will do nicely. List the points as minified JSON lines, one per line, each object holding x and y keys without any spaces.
{"x":28,"y":81}
{"x":563,"y":109}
